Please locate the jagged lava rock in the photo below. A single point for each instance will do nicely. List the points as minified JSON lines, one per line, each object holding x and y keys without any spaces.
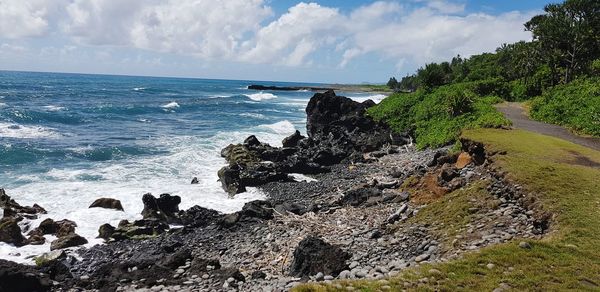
{"x":21,"y":278}
{"x":313,"y":255}
{"x":10,"y":232}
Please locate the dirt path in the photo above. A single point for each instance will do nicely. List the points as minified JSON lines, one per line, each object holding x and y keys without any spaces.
{"x":516,"y":113}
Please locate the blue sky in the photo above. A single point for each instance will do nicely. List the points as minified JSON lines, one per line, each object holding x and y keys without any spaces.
{"x":326,"y":41}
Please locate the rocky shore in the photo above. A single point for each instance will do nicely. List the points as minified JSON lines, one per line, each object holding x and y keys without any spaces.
{"x":346,"y":202}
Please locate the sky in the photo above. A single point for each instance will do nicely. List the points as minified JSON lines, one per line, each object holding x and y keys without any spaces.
{"x":327,"y":41}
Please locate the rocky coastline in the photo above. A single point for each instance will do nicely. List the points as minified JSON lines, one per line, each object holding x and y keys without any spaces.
{"x":342,"y":203}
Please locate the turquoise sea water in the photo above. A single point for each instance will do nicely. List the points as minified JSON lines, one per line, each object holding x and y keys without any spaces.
{"x":68,"y":139}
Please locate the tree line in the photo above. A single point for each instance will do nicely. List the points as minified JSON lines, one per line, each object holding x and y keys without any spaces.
{"x":565,"y":46}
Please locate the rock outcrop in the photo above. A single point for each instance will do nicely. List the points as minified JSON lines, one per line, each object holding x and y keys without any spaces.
{"x":21,"y":278}
{"x":338,"y":130}
{"x":10,"y":232}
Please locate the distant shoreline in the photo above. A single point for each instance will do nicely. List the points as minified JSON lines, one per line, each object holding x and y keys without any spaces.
{"x":378,"y":89}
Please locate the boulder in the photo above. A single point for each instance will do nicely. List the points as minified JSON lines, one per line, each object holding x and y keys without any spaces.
{"x":229,"y":176}
{"x":258,"y":209}
{"x":463,"y":160}
{"x":291,"y":207}
{"x":163,"y":208}
{"x":357,"y":196}
{"x":107,"y":203}
{"x":313,"y":255}
{"x":48,"y":226}
{"x":175,"y":259}
{"x":292,"y":140}
{"x":67,"y":241}
{"x":59,"y":228}
{"x":22,"y":278}
{"x":144,"y":228}
{"x":65,"y":227}
{"x":200,"y":265}
{"x":197,"y":216}
{"x":105,"y":231}
{"x":229,"y":220}
{"x":447,"y":173}
{"x":10,"y":232}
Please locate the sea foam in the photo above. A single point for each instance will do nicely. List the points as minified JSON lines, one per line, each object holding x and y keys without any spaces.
{"x":171,"y":105}
{"x":261,"y":96}
{"x":9,"y":130}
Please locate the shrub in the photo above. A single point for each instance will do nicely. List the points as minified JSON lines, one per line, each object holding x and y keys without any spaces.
{"x":575,"y":105}
{"x":437,"y":117}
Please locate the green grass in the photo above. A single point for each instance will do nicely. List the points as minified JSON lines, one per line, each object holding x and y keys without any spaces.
{"x":575,"y":105}
{"x":568,"y":258}
{"x":438,"y":117}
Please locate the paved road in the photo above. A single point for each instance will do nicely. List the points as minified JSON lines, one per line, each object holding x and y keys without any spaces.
{"x":516,"y":113}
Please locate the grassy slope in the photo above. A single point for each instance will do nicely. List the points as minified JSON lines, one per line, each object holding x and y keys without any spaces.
{"x":567,"y":259}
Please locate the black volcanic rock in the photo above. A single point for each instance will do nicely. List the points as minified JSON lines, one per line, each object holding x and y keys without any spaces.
{"x":10,"y":232}
{"x":107,"y":203}
{"x":70,"y":240}
{"x":292,"y":140}
{"x":313,"y":255}
{"x":163,"y":208}
{"x":21,"y":278}
{"x":338,"y":130}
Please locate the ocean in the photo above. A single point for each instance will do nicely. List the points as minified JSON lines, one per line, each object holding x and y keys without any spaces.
{"x":68,"y":139}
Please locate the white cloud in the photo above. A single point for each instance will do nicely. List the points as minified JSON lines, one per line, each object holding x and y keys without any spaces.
{"x":297,"y":33}
{"x":446,"y":7}
{"x":19,"y":18}
{"x":416,"y":31}
{"x":206,"y":28}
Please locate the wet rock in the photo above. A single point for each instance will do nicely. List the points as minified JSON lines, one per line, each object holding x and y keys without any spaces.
{"x":107,"y":203}
{"x":11,"y":233}
{"x":36,"y":239}
{"x":67,"y":241}
{"x":292,"y":140}
{"x":195,"y":181}
{"x":313,"y":255}
{"x":48,"y":226}
{"x":229,"y":176}
{"x":64,"y":227}
{"x":139,"y":229}
{"x":105,"y":231}
{"x":14,"y":209}
{"x":163,"y":208}
{"x":21,"y":278}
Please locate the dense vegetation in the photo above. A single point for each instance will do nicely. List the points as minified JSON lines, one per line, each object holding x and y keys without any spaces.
{"x":576,"y":105}
{"x":556,"y":69}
